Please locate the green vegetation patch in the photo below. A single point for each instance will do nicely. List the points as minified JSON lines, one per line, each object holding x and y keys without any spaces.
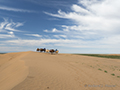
{"x":118,"y":76}
{"x":113,"y":74}
{"x":100,"y":69}
{"x":105,"y":71}
{"x":102,"y":55}
{"x":92,"y":66}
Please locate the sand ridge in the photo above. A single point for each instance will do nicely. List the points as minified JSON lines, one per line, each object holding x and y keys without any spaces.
{"x":12,"y":70}
{"x":68,"y":72}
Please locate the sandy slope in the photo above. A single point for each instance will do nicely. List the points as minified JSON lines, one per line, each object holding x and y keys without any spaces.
{"x":60,"y":72}
{"x":12,"y":70}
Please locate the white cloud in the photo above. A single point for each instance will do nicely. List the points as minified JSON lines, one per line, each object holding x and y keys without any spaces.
{"x":80,"y":10}
{"x":26,"y":42}
{"x":10,"y":28}
{"x":15,"y":9}
{"x":60,"y":14}
{"x":54,"y":30}
{"x":2,"y":25}
{"x":89,"y":2}
{"x":64,"y":36}
{"x":59,"y":36}
{"x":66,"y":43}
{"x":11,"y":33}
{"x":9,"y":25}
{"x":35,"y":35}
{"x":19,"y":24}
{"x":97,"y":20}
{"x":97,"y":15}
{"x":2,"y":44}
{"x":45,"y":30}
{"x":6,"y":36}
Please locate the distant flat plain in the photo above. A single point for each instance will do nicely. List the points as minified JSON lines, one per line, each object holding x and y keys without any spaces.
{"x":114,"y":56}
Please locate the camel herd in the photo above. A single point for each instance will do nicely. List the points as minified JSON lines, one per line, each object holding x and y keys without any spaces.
{"x":47,"y":51}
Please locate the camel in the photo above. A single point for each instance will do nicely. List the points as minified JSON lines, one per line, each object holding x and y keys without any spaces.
{"x":47,"y":51}
{"x":41,"y":49}
{"x":56,"y":51}
{"x":52,"y":51}
{"x":37,"y":49}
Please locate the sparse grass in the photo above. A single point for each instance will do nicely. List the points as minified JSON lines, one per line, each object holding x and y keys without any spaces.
{"x":116,"y":66}
{"x":113,"y":69}
{"x":102,"y":55}
{"x":113,"y":74}
{"x":92,"y":66}
{"x":105,"y":71}
{"x":98,"y":65}
{"x":100,"y":69}
{"x":118,"y":76}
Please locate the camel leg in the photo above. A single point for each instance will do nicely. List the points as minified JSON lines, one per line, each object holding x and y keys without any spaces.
{"x":51,"y":52}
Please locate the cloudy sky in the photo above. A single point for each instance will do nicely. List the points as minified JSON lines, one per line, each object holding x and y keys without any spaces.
{"x":71,"y":26}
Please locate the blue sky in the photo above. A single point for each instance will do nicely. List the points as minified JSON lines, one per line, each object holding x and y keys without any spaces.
{"x":71,"y":26}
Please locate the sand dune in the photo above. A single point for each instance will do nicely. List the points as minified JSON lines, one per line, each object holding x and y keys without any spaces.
{"x":12,"y":70}
{"x":42,"y":71}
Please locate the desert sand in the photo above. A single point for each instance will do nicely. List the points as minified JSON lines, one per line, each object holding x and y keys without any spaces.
{"x":43,"y":71}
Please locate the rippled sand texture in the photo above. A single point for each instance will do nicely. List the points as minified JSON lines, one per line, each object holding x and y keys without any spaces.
{"x":43,"y":71}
